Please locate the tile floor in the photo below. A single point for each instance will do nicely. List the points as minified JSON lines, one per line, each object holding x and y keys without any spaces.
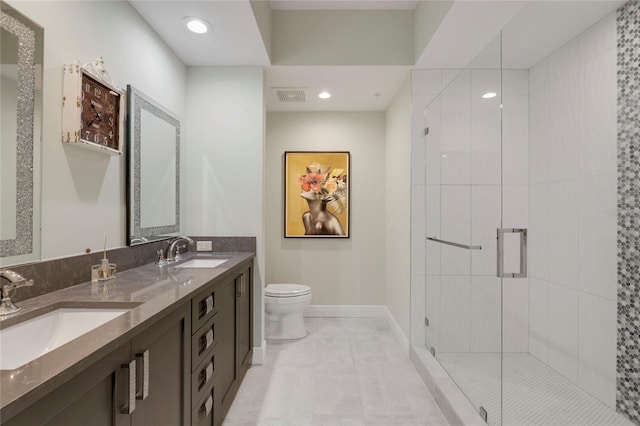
{"x":346,"y":372}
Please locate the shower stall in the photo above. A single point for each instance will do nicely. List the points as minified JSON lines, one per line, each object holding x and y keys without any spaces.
{"x":529,"y":303}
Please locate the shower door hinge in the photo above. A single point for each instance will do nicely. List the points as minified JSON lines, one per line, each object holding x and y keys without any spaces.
{"x":433,"y":351}
{"x":426,"y":131}
{"x":483,"y":414}
{"x":426,"y":321}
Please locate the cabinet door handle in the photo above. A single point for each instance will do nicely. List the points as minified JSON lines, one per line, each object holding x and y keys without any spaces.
{"x":208,"y":406}
{"x":143,"y":357}
{"x":130,"y":405}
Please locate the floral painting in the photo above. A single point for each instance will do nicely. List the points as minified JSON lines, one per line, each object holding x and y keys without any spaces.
{"x":316,"y":194}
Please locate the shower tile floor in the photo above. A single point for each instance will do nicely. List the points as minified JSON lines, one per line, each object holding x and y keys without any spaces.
{"x":346,"y":372}
{"x":534,"y":393}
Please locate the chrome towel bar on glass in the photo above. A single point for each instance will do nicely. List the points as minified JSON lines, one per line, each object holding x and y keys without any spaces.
{"x":464,"y":246}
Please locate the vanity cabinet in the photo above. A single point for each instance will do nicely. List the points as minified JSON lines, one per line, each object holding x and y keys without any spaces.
{"x":182,"y":367}
{"x":149,"y":372}
{"x":230,"y":350}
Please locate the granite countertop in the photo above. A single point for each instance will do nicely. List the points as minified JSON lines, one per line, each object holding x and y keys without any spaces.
{"x":150,"y":291}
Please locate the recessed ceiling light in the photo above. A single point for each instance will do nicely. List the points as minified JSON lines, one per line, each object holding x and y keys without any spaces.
{"x":324,"y":95}
{"x":196,"y":25}
{"x":489,"y":95}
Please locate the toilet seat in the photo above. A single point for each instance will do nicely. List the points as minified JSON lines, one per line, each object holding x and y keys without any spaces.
{"x":286,"y":290}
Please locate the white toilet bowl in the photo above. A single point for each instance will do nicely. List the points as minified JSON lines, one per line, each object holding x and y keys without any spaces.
{"x":284,"y":306}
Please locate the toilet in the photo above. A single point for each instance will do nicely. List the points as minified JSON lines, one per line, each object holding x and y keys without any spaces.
{"x":284,"y":306}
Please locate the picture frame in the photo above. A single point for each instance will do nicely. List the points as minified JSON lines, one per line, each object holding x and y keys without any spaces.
{"x":317,"y":194}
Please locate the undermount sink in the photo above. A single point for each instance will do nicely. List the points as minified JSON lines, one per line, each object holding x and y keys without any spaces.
{"x":30,"y":339}
{"x":202,"y":263}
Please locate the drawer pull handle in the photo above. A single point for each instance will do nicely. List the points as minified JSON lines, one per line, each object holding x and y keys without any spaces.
{"x":207,"y":340}
{"x":208,"y":406}
{"x":205,"y":375}
{"x":207,"y":305}
{"x":143,"y":357}
{"x":130,"y":405}
{"x":208,"y":372}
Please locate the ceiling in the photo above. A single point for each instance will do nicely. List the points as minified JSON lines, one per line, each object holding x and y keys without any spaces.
{"x":532,"y":30}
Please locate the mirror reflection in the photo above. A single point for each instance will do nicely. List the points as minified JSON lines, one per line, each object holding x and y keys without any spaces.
{"x":154,"y":172}
{"x":21,"y":56}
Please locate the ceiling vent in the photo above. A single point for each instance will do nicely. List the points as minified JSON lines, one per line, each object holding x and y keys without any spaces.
{"x":287,"y":94}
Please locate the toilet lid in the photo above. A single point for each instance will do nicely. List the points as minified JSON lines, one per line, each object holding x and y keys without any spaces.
{"x":286,"y":290}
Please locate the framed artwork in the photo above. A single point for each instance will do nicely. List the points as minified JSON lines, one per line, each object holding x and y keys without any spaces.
{"x":316,"y":194}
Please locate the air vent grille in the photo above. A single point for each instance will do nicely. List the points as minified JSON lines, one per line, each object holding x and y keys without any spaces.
{"x":290,"y":94}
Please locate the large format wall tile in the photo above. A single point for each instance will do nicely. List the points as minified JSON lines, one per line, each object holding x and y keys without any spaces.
{"x":597,"y":39}
{"x":563,"y":330}
{"x":539,"y":140}
{"x":563,"y":233}
{"x":538,"y":235}
{"x":455,"y":327}
{"x":539,"y":319}
{"x":515,"y":314}
{"x":597,"y":238}
{"x":597,"y":129}
{"x":485,"y":327}
{"x":597,"y":347}
{"x":515,"y":139}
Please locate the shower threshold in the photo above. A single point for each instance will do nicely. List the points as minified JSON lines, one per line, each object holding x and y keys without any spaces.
{"x":534,"y":393}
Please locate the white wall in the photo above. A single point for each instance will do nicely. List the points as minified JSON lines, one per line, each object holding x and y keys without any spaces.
{"x":83,"y":192}
{"x":572,"y":208}
{"x":398,"y":207}
{"x":339,"y":271}
{"x":223,"y":163}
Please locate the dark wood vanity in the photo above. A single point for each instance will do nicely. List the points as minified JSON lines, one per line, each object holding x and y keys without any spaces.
{"x":179,"y":365}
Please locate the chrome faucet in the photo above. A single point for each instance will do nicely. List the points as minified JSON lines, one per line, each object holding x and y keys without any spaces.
{"x":6,"y":305}
{"x":175,"y":248}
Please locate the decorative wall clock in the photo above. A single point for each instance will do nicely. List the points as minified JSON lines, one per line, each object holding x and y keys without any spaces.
{"x":93,"y":108}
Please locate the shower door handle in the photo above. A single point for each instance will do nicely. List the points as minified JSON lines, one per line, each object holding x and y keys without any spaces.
{"x":523,"y":253}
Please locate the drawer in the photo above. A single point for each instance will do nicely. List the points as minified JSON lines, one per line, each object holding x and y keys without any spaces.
{"x":203,"y":308}
{"x":202,"y":343}
{"x":202,"y":413}
{"x":201,"y":378}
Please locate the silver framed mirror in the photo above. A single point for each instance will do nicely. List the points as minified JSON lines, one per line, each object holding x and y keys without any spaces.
{"x":153,"y":202}
{"x":21,"y":54}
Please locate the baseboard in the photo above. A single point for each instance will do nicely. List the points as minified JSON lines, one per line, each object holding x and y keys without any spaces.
{"x":397,"y":331}
{"x":259,"y":354}
{"x":360,"y":311}
{"x":345,"y":311}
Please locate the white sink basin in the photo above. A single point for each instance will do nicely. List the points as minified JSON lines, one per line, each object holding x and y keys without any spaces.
{"x":202,"y":263}
{"x":28,"y":340}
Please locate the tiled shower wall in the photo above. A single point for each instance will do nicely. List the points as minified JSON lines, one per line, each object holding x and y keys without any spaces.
{"x":572,"y":205}
{"x":628,"y":61}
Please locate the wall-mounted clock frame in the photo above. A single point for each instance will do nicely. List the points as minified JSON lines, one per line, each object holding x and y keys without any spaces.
{"x":93,"y":108}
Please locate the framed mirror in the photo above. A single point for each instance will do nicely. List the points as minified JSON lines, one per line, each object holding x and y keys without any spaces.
{"x":153,"y":135}
{"x":21,"y":58}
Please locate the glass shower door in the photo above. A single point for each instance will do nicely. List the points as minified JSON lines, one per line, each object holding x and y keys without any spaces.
{"x":464,"y":210}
